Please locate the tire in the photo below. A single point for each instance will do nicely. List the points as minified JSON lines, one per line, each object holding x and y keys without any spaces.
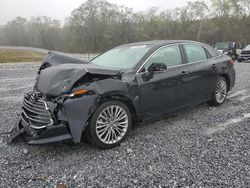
{"x":220,"y":92}
{"x":106,"y":131}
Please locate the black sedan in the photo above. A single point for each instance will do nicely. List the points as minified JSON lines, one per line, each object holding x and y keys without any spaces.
{"x":102,"y":99}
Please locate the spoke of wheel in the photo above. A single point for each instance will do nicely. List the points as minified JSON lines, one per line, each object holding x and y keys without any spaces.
{"x":102,"y":132}
{"x":115,"y":136}
{"x":106,"y":136}
{"x":118,"y":111}
{"x":217,"y":95}
{"x":101,"y":122}
{"x":101,"y":126}
{"x":224,"y":85}
{"x":110,"y":136}
{"x":105,"y":114}
{"x":121,"y":118}
{"x":110,"y":112}
{"x":115,"y":112}
{"x":121,"y":115}
{"x":123,"y":123}
{"x":105,"y":130}
{"x":101,"y":116}
{"x":119,"y":130}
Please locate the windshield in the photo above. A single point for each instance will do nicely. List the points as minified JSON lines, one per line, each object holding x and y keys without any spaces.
{"x":121,"y":58}
{"x":247,"y":47}
{"x":222,"y":45}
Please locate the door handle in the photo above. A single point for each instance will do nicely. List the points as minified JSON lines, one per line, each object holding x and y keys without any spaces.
{"x":184,"y":73}
{"x":213,"y":66}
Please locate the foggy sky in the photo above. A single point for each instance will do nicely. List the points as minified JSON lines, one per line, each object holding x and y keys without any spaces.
{"x":60,"y":9}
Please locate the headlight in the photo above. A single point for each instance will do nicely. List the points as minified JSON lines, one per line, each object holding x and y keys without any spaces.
{"x":78,"y":92}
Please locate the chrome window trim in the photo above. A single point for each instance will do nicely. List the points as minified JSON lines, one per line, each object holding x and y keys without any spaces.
{"x":204,"y":60}
{"x":138,"y":71}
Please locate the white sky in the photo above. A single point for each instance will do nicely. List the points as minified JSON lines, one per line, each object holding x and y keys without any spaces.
{"x":60,"y":9}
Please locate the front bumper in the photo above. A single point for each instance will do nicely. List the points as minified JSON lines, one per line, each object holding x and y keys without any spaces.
{"x":244,"y":58}
{"x":45,"y":121}
{"x":38,"y":125}
{"x":48,"y":135}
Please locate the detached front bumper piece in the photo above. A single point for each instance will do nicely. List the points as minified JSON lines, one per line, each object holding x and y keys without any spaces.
{"x":37,"y":123}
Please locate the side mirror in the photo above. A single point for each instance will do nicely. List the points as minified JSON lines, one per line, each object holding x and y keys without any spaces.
{"x":155,"y":67}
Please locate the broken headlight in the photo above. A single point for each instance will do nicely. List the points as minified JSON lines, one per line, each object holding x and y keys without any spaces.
{"x":78,"y":92}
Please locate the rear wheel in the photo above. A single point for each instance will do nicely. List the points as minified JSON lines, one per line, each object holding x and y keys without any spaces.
{"x":110,"y":124}
{"x":220,"y":92}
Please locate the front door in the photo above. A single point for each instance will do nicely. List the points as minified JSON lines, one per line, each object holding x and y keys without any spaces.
{"x":165,"y":90}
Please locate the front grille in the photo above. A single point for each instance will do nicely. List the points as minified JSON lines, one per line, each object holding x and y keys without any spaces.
{"x":35,"y":112}
{"x":245,"y":52}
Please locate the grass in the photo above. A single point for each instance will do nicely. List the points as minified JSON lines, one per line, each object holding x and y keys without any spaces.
{"x":13,"y":56}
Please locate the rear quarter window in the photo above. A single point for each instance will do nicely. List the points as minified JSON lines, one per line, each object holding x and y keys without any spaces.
{"x":212,"y":53}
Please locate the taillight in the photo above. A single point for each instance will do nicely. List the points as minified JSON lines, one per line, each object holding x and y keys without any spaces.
{"x":231,"y":62}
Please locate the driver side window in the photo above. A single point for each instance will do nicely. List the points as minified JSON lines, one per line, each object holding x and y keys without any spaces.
{"x":169,"y":55}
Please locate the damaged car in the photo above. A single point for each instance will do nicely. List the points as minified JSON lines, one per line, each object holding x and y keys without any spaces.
{"x":100,"y":100}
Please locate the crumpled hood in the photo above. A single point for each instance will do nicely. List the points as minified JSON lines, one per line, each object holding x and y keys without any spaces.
{"x":59,"y":79}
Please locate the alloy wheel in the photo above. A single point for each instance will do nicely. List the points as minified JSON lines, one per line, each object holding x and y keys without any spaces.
{"x":112,"y":124}
{"x":221,"y":91}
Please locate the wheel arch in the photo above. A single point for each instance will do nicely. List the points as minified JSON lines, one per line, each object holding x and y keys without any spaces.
{"x":123,"y":99}
{"x":103,"y":99}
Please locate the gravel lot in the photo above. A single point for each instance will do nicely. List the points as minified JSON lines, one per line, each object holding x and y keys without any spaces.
{"x":201,"y":146}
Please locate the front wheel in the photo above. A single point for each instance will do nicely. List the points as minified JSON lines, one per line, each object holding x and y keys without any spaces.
{"x":220,"y":92}
{"x":110,"y":124}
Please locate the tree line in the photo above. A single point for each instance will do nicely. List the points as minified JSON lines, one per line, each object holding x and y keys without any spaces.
{"x":98,"y":25}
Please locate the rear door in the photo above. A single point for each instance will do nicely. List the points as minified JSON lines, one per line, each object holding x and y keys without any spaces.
{"x":165,"y":91}
{"x":202,"y":72}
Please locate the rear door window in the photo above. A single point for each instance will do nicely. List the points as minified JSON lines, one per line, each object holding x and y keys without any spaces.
{"x":195,"y":53}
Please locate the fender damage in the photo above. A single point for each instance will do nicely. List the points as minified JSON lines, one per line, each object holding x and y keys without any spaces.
{"x":50,"y":113}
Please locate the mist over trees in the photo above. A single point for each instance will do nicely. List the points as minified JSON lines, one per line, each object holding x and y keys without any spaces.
{"x":98,"y":25}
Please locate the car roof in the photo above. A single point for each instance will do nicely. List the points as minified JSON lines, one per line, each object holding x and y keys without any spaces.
{"x":155,"y":43}
{"x":224,"y":42}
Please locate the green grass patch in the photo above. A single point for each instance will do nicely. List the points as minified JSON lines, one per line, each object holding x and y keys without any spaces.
{"x":14,"y":56}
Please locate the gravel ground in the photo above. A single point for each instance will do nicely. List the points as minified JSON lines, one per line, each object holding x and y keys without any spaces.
{"x":201,"y":146}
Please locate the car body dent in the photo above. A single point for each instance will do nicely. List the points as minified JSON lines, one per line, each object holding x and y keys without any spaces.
{"x":78,"y":115}
{"x":77,"y":111}
{"x":56,"y":80}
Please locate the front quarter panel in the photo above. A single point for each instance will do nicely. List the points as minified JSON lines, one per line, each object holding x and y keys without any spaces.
{"x":78,"y":111}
